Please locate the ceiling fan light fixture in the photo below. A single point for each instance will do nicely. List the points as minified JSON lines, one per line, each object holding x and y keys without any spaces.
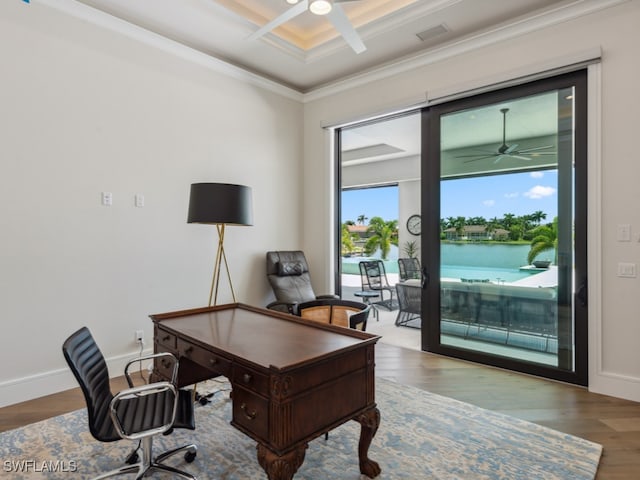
{"x":292,"y":2}
{"x":320,"y":7}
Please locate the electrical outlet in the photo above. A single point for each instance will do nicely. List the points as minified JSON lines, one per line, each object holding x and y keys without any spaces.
{"x":139,"y":336}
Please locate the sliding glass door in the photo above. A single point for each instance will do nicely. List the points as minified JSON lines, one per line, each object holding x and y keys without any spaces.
{"x":504,"y":228}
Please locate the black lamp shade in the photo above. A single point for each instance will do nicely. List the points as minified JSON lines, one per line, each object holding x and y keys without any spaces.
{"x":220,"y":203}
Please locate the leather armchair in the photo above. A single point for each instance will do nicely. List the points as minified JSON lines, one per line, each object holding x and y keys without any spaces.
{"x":288,"y":275}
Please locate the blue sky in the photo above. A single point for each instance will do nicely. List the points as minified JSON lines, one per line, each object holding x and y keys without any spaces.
{"x":490,"y":196}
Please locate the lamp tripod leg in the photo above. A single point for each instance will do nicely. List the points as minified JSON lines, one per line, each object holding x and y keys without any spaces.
{"x":220,"y":257}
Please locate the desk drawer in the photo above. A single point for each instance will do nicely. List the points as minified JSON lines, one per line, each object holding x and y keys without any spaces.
{"x":251,"y":412}
{"x":250,"y":379}
{"x":204,"y":357}
{"x":165,"y":339}
{"x":163,"y":366}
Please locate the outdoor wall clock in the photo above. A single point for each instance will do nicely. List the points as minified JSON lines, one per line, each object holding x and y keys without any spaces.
{"x":414,"y":225}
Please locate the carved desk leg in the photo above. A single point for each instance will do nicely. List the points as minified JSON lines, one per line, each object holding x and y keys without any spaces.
{"x":281,"y":467}
{"x":369,"y":421}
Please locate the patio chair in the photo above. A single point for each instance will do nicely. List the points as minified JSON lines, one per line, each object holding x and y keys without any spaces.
{"x":409,"y":304}
{"x":409,"y":269}
{"x":288,"y":275}
{"x":373,"y":277}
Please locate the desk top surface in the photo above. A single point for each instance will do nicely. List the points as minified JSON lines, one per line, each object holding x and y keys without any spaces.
{"x":261,"y":337}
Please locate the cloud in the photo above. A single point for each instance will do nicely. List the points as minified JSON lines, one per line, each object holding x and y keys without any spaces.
{"x":489,"y":203}
{"x":511,"y":195}
{"x":540,"y":191}
{"x":537,"y":174}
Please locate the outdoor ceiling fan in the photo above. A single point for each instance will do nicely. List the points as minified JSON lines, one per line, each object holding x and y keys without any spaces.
{"x":508,"y":150}
{"x":330,"y":8}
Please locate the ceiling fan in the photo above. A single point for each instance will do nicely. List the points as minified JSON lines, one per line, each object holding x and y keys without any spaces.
{"x":330,"y":8}
{"x":505,"y":150}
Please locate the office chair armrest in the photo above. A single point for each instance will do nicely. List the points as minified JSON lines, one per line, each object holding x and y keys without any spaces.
{"x":156,"y":388}
{"x":151,"y":356}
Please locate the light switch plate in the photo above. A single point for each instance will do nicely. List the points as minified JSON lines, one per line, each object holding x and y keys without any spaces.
{"x":107,"y":199}
{"x":627,"y":270}
{"x":624,"y":232}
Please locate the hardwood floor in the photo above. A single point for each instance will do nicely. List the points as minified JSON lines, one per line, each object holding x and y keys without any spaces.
{"x":612,"y":422}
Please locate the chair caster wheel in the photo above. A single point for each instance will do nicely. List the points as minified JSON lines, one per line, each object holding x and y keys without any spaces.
{"x":204,"y":399}
{"x":190,"y":456}
{"x":132,"y":459}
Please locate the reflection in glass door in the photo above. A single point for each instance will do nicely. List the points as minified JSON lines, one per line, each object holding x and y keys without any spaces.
{"x":510,"y":168}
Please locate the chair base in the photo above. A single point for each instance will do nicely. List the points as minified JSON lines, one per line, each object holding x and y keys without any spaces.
{"x":146,"y":465}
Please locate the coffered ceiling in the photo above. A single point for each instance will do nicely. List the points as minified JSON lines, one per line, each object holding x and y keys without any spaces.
{"x":307,"y":51}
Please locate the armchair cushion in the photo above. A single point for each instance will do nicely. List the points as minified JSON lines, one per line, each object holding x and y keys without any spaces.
{"x":286,"y":269}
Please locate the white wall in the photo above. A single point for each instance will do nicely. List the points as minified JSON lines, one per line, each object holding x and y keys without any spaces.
{"x":615,"y":303}
{"x":85,"y":110}
{"x":409,"y":194}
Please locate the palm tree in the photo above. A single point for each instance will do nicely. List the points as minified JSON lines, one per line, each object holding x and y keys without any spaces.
{"x":538,"y":216}
{"x":545,"y":238}
{"x":459,"y":224}
{"x":348,"y":244}
{"x":508,"y":220}
{"x":383,"y":235}
{"x":362,"y":218}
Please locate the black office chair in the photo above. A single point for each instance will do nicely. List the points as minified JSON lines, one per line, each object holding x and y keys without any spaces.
{"x":137,"y":413}
{"x":288,"y":275}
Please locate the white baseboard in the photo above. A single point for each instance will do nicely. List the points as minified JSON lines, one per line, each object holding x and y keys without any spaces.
{"x":54,"y":381}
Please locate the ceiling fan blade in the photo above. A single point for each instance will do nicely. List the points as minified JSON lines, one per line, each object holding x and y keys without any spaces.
{"x":527,"y":150}
{"x":511,"y":148}
{"x":285,"y":17}
{"x":479,"y":158}
{"x":483,"y":155}
{"x":520,"y":157}
{"x":343,"y":25}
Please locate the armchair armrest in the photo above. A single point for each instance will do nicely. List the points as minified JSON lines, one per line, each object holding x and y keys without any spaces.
{"x":134,"y":394}
{"x":325,"y":296}
{"x":283,"y":307}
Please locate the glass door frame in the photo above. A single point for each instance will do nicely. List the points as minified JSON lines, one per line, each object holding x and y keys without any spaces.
{"x":430,"y":247}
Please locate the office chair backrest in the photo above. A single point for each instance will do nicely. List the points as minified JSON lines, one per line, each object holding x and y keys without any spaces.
{"x":90,"y":369}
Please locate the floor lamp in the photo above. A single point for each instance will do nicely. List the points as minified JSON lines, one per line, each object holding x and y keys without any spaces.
{"x":220,"y":204}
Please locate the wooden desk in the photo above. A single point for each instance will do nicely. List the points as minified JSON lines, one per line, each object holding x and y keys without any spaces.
{"x":292,"y":380}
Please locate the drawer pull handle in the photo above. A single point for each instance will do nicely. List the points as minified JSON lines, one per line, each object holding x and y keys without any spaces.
{"x":166,"y":338}
{"x":213,"y":361}
{"x":248,"y":414}
{"x":246,"y":378}
{"x":188,"y":350}
{"x":165,"y":363}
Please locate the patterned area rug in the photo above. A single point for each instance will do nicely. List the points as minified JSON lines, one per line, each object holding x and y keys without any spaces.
{"x":421,"y":435}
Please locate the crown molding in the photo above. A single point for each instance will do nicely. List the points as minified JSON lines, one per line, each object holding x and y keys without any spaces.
{"x":109,"y":22}
{"x":504,"y":32}
{"x":553,"y":16}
